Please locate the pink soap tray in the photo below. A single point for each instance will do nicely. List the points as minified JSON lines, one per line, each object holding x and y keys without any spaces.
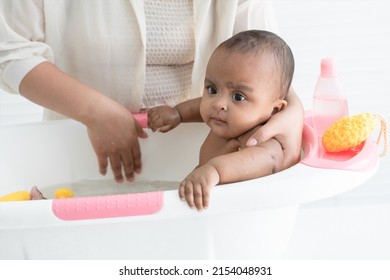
{"x":362,"y":158}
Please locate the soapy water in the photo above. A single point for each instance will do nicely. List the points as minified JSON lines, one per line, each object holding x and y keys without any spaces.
{"x":84,"y":188}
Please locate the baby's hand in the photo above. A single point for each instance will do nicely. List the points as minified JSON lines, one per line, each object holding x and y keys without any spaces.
{"x":163,"y":118}
{"x":195,"y":188}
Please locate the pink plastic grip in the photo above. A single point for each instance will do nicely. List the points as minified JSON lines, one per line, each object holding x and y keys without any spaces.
{"x":142,"y":119}
{"x":109,"y":206}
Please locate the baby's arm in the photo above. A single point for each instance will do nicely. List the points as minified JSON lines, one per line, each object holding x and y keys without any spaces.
{"x":248,"y":163}
{"x":166,"y":118}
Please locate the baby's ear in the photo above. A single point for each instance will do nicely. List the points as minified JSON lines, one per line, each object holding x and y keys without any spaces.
{"x":279,"y":105}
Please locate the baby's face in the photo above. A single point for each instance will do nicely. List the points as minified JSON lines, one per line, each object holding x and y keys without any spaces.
{"x":239,"y":93}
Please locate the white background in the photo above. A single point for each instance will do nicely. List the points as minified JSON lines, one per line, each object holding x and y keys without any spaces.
{"x":355,"y":225}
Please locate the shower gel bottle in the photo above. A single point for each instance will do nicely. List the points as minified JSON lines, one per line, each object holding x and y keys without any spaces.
{"x":329,"y":101}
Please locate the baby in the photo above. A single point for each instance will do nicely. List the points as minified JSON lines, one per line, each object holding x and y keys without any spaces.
{"x":247,"y":79}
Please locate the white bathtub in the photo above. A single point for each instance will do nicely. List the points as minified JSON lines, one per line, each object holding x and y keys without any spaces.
{"x":247,"y":220}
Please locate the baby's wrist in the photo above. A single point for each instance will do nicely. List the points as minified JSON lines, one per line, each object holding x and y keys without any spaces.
{"x":213,"y":170}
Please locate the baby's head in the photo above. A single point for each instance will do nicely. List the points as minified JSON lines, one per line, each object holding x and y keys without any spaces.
{"x":247,"y":79}
{"x":268,"y":48}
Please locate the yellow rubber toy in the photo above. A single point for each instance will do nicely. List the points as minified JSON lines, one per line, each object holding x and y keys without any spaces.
{"x":349,"y":132}
{"x":16,"y":196}
{"x":63,"y":193}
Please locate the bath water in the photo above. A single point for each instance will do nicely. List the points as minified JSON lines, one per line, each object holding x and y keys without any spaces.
{"x":108,"y":187}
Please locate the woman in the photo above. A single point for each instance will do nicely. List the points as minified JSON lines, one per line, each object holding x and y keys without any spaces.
{"x":98,"y":61}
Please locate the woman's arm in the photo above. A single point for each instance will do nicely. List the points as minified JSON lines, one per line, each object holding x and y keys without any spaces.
{"x":286,"y":127}
{"x":111,"y":128}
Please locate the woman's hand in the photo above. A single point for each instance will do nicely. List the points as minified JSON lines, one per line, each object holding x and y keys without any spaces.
{"x":286,"y":127}
{"x":114,"y":137}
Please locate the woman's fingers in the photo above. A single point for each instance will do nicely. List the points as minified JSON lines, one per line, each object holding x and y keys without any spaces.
{"x":116,"y":143}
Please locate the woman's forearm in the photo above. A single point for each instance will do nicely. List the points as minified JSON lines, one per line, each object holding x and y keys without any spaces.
{"x":292,"y":142}
{"x":51,"y":88}
{"x":111,"y":129}
{"x":294,"y":104}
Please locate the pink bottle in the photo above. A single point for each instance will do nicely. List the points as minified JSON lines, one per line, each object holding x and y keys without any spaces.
{"x":329,"y":102}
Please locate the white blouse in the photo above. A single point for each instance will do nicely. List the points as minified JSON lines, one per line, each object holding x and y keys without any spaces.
{"x":108,"y":44}
{"x":170,"y":51}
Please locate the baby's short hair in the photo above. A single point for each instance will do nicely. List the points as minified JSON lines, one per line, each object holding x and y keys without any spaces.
{"x":269,"y":44}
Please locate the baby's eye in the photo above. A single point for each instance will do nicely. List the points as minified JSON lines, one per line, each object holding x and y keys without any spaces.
{"x":238,"y":97}
{"x":212,"y":90}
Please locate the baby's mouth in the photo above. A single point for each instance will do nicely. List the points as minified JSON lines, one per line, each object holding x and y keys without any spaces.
{"x":217,"y":120}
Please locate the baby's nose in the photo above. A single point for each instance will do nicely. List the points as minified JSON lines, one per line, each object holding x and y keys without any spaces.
{"x":220,"y":104}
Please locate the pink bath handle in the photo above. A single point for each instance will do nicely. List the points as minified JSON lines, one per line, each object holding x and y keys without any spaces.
{"x":142,"y":119}
{"x":110,"y":206}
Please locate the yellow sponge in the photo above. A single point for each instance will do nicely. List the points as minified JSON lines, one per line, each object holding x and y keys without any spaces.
{"x":349,"y":132}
